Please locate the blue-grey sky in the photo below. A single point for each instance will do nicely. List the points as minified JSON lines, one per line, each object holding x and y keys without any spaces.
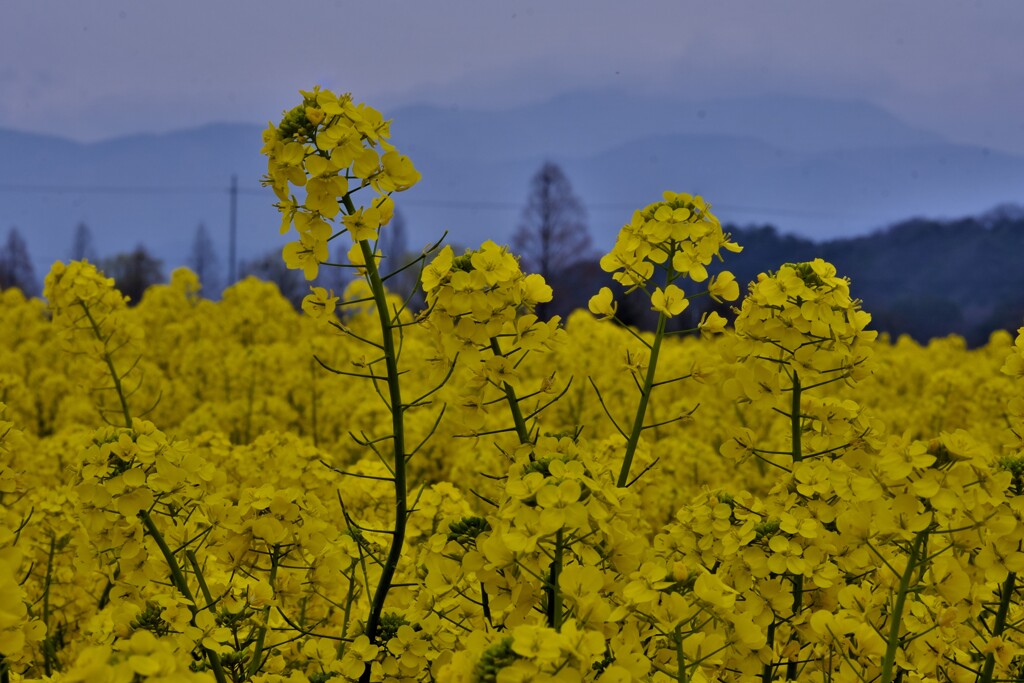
{"x":93,"y":69}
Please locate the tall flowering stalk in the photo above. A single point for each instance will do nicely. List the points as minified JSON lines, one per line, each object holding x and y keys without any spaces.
{"x":798,"y":330}
{"x":679,"y":236}
{"x":132,"y":476}
{"x":482,"y":314}
{"x":332,"y":148}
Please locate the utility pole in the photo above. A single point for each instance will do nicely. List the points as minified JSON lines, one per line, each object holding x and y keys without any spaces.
{"x":233,"y":229}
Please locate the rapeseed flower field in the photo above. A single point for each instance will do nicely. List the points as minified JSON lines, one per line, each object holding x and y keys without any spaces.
{"x":235,"y":491}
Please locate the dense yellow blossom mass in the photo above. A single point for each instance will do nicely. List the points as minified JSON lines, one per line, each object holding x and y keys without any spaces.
{"x":235,"y":491}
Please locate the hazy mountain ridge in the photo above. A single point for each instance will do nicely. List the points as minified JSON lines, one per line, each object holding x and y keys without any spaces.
{"x":590,"y":122}
{"x":921,"y":277}
{"x":818,"y":168}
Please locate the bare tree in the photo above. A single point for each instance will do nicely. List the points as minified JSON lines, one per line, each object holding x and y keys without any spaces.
{"x":82,"y":247}
{"x":16,"y":265}
{"x":203,"y":261}
{"x":552,"y":234}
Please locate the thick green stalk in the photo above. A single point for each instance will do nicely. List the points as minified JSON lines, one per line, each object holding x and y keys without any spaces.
{"x":261,"y":635}
{"x":641,"y":409}
{"x":893,"y":641}
{"x":387,"y":574}
{"x":398,"y":427}
{"x":794,"y":420}
{"x":513,"y":401}
{"x":768,"y":670}
{"x":554,"y":594}
{"x":680,"y":656}
{"x":797,"y":451}
{"x":178,"y":579}
{"x":1005,"y":598}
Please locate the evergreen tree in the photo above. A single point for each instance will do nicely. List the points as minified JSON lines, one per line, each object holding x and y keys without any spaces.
{"x":82,"y":247}
{"x":204,"y":262}
{"x":16,"y":265}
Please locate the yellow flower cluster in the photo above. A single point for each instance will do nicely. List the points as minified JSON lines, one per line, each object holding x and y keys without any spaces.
{"x":321,"y":146}
{"x":90,"y":315}
{"x":19,"y":631}
{"x":480,"y":310}
{"x":1014,"y":367}
{"x":483,"y":294}
{"x":679,"y":235}
{"x":802,"y":320}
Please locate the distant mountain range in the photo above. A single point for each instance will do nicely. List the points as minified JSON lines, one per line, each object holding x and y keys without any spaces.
{"x":920,"y":277}
{"x":820,"y":169}
{"x":924,"y":278}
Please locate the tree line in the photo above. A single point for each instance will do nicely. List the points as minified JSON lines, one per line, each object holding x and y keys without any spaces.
{"x":551,"y":237}
{"x":924,"y":278}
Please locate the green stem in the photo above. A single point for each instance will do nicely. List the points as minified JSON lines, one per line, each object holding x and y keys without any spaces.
{"x":768,"y":669}
{"x":261,"y":635}
{"x":349,"y":599}
{"x":387,"y":574}
{"x":797,"y":451}
{"x":486,"y":603}
{"x":798,"y":596}
{"x":641,"y":409}
{"x":1005,"y":598}
{"x":680,"y":656}
{"x":49,"y":654}
{"x":110,"y":366}
{"x":794,"y":419}
{"x":554,"y":594}
{"x":200,"y":579}
{"x":893,"y":641}
{"x":513,"y":401}
{"x":178,"y":579}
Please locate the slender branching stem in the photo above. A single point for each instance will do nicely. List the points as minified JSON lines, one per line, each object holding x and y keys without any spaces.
{"x":513,"y":401}
{"x":796,"y":432}
{"x":397,"y":409}
{"x":641,"y":409}
{"x":178,"y":579}
{"x":257,"y":654}
{"x":1005,"y":598}
{"x":554,"y":594}
{"x":895,"y":618}
{"x":110,"y":366}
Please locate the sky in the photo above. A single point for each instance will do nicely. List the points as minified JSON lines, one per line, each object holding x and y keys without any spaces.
{"x":95,"y":69}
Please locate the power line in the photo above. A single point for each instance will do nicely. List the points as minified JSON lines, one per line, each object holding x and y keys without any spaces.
{"x":111,"y":189}
{"x":458,"y":204}
{"x":627,"y":207}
